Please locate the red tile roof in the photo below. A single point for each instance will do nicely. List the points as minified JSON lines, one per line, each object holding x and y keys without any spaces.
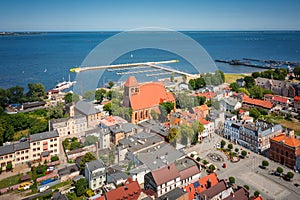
{"x":131,"y":82}
{"x":208,"y":95}
{"x":289,"y":141}
{"x":257,"y":102}
{"x":297,"y":98}
{"x":280,"y":99}
{"x":204,"y":121}
{"x":201,"y":185}
{"x":150,"y":95}
{"x":130,"y":190}
{"x":165,"y":174}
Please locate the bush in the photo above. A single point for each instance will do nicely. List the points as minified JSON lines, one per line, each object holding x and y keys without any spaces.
{"x":230,"y":146}
{"x":9,"y":166}
{"x":192,"y":155}
{"x":212,"y":168}
{"x":236,"y":150}
{"x":279,"y":170}
{"x":223,"y":143}
{"x":247,"y":187}
{"x":231,"y":180}
{"x":256,"y":193}
{"x":290,"y":175}
{"x":198,"y":159}
{"x":244,"y":153}
{"x":265,"y":163}
{"x":204,"y":162}
{"x":54,"y":158}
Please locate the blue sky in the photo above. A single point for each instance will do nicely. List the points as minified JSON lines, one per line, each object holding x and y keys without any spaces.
{"x":19,"y":15}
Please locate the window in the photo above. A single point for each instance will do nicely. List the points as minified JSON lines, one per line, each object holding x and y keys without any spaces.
{"x":287,"y":154}
{"x":38,"y":143}
{"x":34,"y":149}
{"x":10,"y":156}
{"x":51,"y":140}
{"x":38,"y":148}
{"x":34,"y":144}
{"x":34,"y":155}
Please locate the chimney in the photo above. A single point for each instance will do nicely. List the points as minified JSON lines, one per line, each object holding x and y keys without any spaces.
{"x":168,"y":167}
{"x":208,"y":183}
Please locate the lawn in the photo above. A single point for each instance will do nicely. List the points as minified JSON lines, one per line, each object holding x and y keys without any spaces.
{"x":230,"y":78}
{"x":290,"y":124}
{"x":13,"y":180}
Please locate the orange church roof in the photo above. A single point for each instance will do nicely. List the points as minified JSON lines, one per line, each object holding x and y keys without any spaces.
{"x":289,"y":141}
{"x":150,"y":95}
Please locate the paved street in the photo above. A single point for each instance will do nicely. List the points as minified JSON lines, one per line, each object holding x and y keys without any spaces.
{"x":247,"y":171}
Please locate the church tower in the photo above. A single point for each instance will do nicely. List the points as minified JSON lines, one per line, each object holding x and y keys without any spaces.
{"x":131,"y":87}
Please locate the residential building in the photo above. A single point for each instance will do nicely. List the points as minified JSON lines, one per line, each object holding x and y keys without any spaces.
{"x":36,"y":148}
{"x":209,"y":129}
{"x":218,"y":119}
{"x":142,"y":99}
{"x":95,"y":174}
{"x":121,"y":131}
{"x":232,"y":130}
{"x":285,"y":149}
{"x":111,"y":121}
{"x":43,"y":142}
{"x":92,"y":112}
{"x":278,"y":87}
{"x":229,"y":104}
{"x":200,"y":111}
{"x":116,"y":176}
{"x":70,"y":127}
{"x":130,"y":190}
{"x":138,"y":173}
{"x":175,"y":194}
{"x":68,"y":172}
{"x":249,"y":102}
{"x":256,"y":136}
{"x":201,"y":185}
{"x":297,"y":102}
{"x":177,"y":174}
{"x":284,"y":101}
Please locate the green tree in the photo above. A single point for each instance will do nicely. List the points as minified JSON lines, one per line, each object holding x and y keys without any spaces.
{"x":236,"y":150}
{"x":198,"y":159}
{"x":86,"y":158}
{"x":3,"y":98}
{"x":265,"y":163}
{"x":290,"y":175}
{"x":56,"y":112}
{"x":256,"y":193}
{"x":80,"y":187}
{"x":249,"y":81}
{"x":111,"y":84}
{"x":9,"y":166}
{"x":71,"y":97}
{"x":186,"y":132}
{"x":212,"y":168}
{"x":254,"y":113}
{"x":89,"y":95}
{"x":75,"y":145}
{"x":296,"y":72}
{"x":244,"y":153}
{"x":234,"y":86}
{"x":198,"y":129}
{"x":256,"y":92}
{"x":255,"y":74}
{"x":223,"y":143}
{"x":154,"y":114}
{"x":279,"y":170}
{"x":204,"y":162}
{"x":168,"y":106}
{"x":36,"y":92}
{"x":230,"y":146}
{"x":173,"y":134}
{"x":100,"y":94}
{"x":231,"y":180}
{"x":192,"y":84}
{"x":200,"y":100}
{"x":107,"y":107}
{"x":89,"y":140}
{"x":15,"y":94}
{"x":244,"y":90}
{"x":54,"y":158}
{"x":247,"y":187}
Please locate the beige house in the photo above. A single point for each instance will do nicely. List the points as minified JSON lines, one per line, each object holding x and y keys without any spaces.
{"x":92,"y":112}
{"x":72,"y":126}
{"x":37,"y":146}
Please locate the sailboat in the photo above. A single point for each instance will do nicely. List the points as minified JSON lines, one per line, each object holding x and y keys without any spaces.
{"x":45,"y":70}
{"x":131,"y":55}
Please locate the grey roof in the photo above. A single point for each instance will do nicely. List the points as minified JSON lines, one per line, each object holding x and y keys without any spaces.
{"x":159,"y":155}
{"x":86,"y":108}
{"x":173,"y":194}
{"x":184,"y":163}
{"x":7,"y":149}
{"x":43,"y":136}
{"x":230,"y":101}
{"x":67,"y":170}
{"x":11,"y":148}
{"x":117,"y":174}
{"x":139,"y":169}
{"x":95,"y":164}
{"x":21,"y":146}
{"x":76,"y":178}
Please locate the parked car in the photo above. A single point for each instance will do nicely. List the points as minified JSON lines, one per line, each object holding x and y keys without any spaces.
{"x":43,"y":189}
